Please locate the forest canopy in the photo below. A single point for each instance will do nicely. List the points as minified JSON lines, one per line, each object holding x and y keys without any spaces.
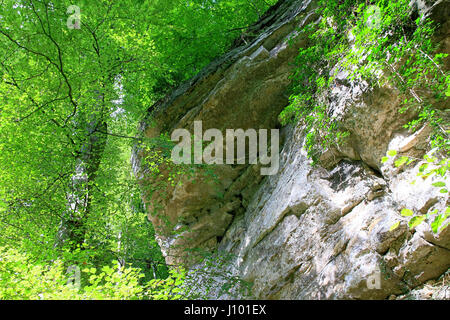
{"x":75,"y":80}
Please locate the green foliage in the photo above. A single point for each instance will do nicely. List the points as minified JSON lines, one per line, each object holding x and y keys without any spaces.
{"x":407,"y":213}
{"x":382,"y":43}
{"x":22,"y":279}
{"x":171,"y":288}
{"x":430,"y":167}
{"x":379,"y":43}
{"x":70,"y":102}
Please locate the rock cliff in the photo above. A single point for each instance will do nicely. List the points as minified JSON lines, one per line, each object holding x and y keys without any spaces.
{"x":307,"y":232}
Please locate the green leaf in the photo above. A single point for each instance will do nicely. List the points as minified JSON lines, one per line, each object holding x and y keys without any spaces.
{"x":392,"y":153}
{"x":438,"y":222}
{"x":406,"y":212}
{"x":439,"y":184}
{"x":401,"y":161}
{"x":415,"y":221}
{"x":394,"y":226}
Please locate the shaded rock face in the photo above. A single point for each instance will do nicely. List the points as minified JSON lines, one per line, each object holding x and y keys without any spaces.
{"x":307,"y":232}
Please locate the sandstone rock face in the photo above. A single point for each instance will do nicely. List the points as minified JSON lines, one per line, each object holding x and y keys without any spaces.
{"x":307,"y":232}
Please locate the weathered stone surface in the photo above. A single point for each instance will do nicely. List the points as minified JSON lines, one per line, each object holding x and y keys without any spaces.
{"x":438,"y":289}
{"x":247,"y":88}
{"x":308,"y":232}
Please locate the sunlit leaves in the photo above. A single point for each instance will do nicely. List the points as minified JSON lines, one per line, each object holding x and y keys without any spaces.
{"x":394,"y":226}
{"x":406,"y":212}
{"x":392,"y":153}
{"x":373,"y":46}
{"x":401,"y":161}
{"x":417,"y":220}
{"x":438,"y":221}
{"x":430,"y":167}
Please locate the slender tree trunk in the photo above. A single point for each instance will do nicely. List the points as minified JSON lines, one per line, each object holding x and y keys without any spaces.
{"x":73,"y":221}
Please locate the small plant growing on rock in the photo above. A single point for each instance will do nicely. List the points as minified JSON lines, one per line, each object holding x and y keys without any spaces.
{"x":431,"y":167}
